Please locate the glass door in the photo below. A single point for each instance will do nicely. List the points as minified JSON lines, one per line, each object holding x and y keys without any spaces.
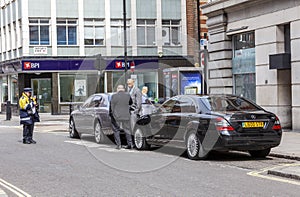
{"x":42,"y":91}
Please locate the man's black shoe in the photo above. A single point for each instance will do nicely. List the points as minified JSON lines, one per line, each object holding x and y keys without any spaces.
{"x":127,"y":147}
{"x":26,"y":142}
{"x":32,"y":141}
{"x":118,"y":147}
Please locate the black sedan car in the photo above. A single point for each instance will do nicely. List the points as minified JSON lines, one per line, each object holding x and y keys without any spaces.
{"x":201,"y":124}
{"x":92,"y":118}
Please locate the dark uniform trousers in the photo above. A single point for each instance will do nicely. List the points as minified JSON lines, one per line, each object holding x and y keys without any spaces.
{"x":117,"y":127}
{"x":28,"y":131}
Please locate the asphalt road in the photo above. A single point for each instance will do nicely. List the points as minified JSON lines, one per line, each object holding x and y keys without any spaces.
{"x":60,"y":166}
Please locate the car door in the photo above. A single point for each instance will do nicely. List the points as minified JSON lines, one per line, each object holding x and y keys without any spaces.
{"x":187,"y":113}
{"x":102,"y":110}
{"x":161,"y":119}
{"x":83,"y":118}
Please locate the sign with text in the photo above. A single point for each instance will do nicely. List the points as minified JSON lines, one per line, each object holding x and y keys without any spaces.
{"x":40,"y":51}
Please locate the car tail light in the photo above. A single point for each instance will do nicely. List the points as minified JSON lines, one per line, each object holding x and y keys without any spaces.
{"x":223,"y":125}
{"x":276,"y":125}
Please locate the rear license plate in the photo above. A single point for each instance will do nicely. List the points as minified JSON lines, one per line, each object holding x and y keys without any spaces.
{"x":253,"y":124}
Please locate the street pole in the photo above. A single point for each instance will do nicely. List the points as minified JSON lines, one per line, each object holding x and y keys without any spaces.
{"x":125,"y":42}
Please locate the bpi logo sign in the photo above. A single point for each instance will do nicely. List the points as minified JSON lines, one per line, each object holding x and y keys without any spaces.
{"x":120,"y":65}
{"x":31,"y":65}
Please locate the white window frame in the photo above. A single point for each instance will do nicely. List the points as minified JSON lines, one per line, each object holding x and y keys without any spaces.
{"x":39,"y":24}
{"x":94,"y":24}
{"x":147,"y":23}
{"x":119,"y":24}
{"x":167,"y":32}
{"x":67,"y":23}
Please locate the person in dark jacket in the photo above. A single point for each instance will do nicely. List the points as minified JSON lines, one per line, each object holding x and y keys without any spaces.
{"x":28,"y":112}
{"x":119,"y":112}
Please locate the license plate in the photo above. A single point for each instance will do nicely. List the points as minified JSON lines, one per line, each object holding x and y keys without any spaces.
{"x":253,"y":124}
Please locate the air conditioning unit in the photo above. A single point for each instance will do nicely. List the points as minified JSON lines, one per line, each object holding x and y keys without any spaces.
{"x":166,"y":36}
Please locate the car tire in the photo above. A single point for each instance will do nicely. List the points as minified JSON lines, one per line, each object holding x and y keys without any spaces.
{"x":140,"y":140}
{"x":98,"y":133}
{"x":72,"y":130}
{"x":260,"y":153}
{"x":194,"y":147}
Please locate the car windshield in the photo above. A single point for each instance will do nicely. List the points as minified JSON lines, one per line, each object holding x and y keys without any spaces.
{"x":222,"y":103}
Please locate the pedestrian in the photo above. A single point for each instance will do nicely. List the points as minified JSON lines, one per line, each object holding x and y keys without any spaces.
{"x":119,"y":111}
{"x":28,"y":115}
{"x":136,"y":96}
{"x":145,"y":98}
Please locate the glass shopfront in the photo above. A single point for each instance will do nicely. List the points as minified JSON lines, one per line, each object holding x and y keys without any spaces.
{"x":243,"y":65}
{"x":142,"y":78}
{"x":4,"y":89}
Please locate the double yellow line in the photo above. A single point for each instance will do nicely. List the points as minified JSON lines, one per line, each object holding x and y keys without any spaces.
{"x":18,"y":192}
{"x":265,"y":170}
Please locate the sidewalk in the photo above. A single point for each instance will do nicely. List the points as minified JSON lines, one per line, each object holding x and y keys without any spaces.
{"x":289,"y":147}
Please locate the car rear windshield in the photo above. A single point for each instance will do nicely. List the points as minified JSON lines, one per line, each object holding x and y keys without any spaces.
{"x":222,"y":103}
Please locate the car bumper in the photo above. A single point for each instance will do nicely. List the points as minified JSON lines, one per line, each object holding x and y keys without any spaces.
{"x":247,"y":143}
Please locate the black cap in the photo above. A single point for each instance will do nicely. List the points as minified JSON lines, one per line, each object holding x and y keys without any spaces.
{"x":27,"y":89}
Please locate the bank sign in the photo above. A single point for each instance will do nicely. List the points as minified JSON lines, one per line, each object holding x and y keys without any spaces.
{"x":87,"y":64}
{"x":56,"y":65}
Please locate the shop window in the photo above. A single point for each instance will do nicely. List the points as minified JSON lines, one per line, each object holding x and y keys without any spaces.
{"x":245,"y":85}
{"x":243,"y":65}
{"x":67,"y":32}
{"x":146,"y":32}
{"x":171,"y":31}
{"x":146,"y":78}
{"x":117,"y":32}
{"x":4,"y":89}
{"x":94,"y":33}
{"x":73,"y":88}
{"x":14,"y":89}
{"x":39,"y":31}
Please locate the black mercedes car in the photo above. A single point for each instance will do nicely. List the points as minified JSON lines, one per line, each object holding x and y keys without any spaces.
{"x":205,"y":123}
{"x":92,"y":118}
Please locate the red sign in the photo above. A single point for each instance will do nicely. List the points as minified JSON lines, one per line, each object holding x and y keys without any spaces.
{"x":27,"y":65}
{"x":118,"y":65}
{"x":132,"y":66}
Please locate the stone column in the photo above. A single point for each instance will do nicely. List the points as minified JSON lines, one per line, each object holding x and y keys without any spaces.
{"x":295,"y":72}
{"x":219,"y":68}
{"x":55,"y":99}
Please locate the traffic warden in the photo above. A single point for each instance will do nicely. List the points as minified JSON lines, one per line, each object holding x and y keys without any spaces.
{"x":28,"y":115}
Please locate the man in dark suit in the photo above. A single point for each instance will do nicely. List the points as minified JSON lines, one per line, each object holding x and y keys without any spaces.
{"x":120,"y":115}
{"x":136,"y":96}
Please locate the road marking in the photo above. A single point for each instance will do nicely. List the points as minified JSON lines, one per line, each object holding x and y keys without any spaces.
{"x":13,"y":189}
{"x":2,"y":193}
{"x":264,"y":170}
{"x":87,"y":144}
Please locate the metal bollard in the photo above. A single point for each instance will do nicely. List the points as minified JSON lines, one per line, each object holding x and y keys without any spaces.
{"x":70,"y":108}
{"x":8,"y":110}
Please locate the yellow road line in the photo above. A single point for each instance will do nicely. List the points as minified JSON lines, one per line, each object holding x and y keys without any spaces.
{"x":13,"y":189}
{"x":259,"y":174}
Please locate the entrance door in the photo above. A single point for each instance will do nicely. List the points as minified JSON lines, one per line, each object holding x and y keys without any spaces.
{"x":42,"y":90}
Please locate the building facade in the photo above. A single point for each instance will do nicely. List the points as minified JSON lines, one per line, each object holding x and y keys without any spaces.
{"x":49,"y":45}
{"x":253,"y":52}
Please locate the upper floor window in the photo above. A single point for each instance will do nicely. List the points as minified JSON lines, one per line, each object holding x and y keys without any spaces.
{"x":94,"y":33}
{"x":171,"y":31}
{"x":117,"y":32}
{"x":39,"y":31}
{"x":67,"y":32}
{"x":146,"y":32}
